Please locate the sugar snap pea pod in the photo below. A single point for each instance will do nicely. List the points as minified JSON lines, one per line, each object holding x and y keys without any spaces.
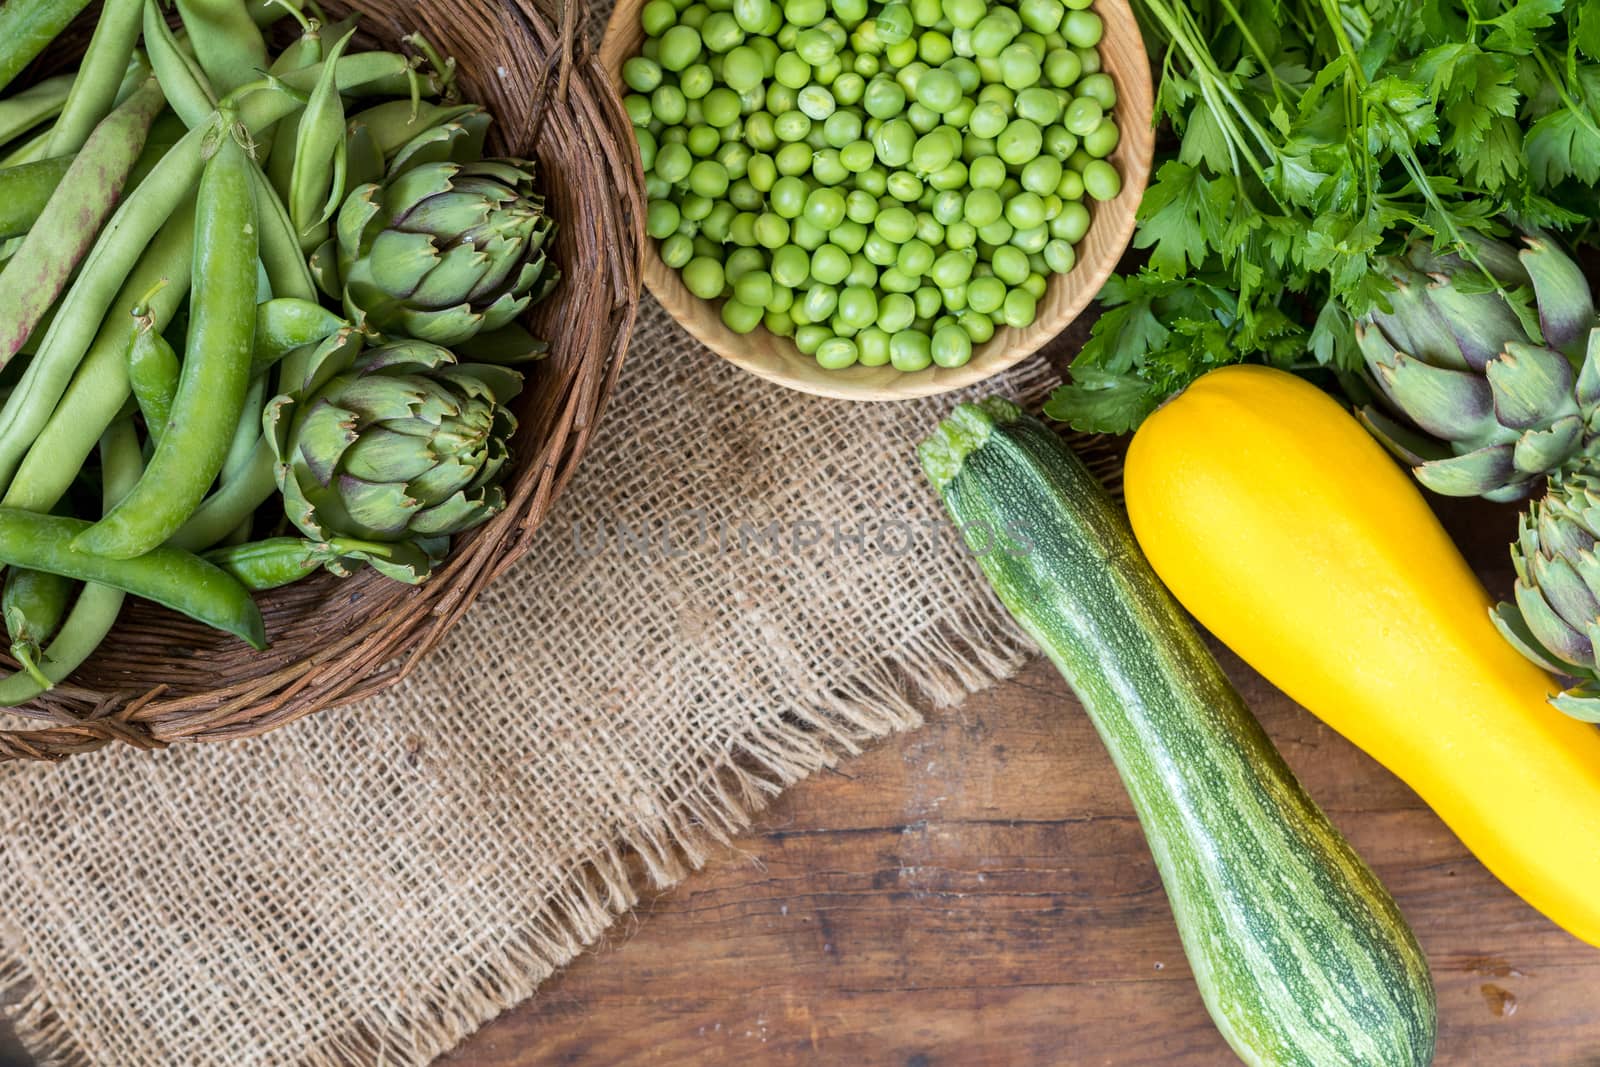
{"x":131,"y":230}
{"x":316,"y":183}
{"x":285,"y":324}
{"x":188,"y":90}
{"x":216,"y":367}
{"x":22,"y":111}
{"x":97,"y":607}
{"x":24,"y":192}
{"x":152,"y":372}
{"x":171,"y":577}
{"x":227,"y":43}
{"x":66,"y":230}
{"x":99,"y":389}
{"x":100,"y":75}
{"x":27,"y":26}
{"x":33,"y":604}
{"x":279,"y":561}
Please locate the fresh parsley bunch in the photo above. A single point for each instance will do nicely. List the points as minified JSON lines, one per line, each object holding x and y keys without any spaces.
{"x":1313,"y":138}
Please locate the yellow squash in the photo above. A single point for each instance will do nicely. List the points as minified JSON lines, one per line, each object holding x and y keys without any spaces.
{"x":1292,"y":536}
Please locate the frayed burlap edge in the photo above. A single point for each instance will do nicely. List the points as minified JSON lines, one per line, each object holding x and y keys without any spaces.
{"x":977,"y":648}
{"x":981,"y":647}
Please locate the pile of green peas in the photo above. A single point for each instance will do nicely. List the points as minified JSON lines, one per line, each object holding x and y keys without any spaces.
{"x":883,"y":183}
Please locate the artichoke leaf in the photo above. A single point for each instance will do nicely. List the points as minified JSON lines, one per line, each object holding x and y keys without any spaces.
{"x":1531,"y":386}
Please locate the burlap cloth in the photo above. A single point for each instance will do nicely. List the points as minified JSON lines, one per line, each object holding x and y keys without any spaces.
{"x":774,"y":589}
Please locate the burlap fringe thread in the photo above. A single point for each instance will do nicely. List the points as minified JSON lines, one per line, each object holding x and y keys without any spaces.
{"x":983,"y":647}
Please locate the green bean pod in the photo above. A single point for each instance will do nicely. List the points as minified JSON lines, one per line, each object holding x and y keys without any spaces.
{"x":27,"y":26}
{"x":288,"y":274}
{"x":173,"y":578}
{"x":99,"y":390}
{"x":153,"y":371}
{"x":188,"y":90}
{"x":97,"y":607}
{"x":67,"y":228}
{"x":247,"y":433}
{"x":33,"y":604}
{"x":22,"y":111}
{"x":316,"y":182}
{"x":227,"y":43}
{"x":100,"y":76}
{"x":222,"y":512}
{"x":216,"y":367}
{"x":24,"y":192}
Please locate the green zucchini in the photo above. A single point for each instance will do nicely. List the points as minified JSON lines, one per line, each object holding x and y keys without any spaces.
{"x":1301,"y":956}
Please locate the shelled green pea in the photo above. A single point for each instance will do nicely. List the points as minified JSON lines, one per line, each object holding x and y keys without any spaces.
{"x":886,"y":183}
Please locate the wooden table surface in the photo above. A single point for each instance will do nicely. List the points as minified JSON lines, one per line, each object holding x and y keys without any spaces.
{"x":978,"y":893}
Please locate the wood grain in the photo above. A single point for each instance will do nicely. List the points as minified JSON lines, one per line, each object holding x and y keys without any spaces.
{"x":777,"y":359}
{"x":978,"y":893}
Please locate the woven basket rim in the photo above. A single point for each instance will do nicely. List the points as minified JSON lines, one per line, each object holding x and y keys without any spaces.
{"x":578,"y":133}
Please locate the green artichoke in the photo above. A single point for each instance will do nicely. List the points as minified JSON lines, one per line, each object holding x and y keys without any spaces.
{"x":445,"y":246}
{"x":1485,"y":367}
{"x":400,"y":443}
{"x":1555,"y":617}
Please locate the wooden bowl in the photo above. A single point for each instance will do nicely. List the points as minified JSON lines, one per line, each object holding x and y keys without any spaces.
{"x":777,"y":359}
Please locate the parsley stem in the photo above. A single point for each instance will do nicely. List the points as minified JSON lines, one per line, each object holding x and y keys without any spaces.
{"x":1578,"y":110}
{"x":1255,"y":47}
{"x":1223,"y":103}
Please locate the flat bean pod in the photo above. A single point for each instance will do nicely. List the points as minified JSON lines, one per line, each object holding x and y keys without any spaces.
{"x":22,"y":111}
{"x":216,"y":367}
{"x":100,"y":76}
{"x":67,"y":228}
{"x":24,"y":192}
{"x":97,"y":607}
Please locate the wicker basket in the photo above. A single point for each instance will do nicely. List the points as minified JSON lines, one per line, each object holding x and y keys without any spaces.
{"x":161,"y":678}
